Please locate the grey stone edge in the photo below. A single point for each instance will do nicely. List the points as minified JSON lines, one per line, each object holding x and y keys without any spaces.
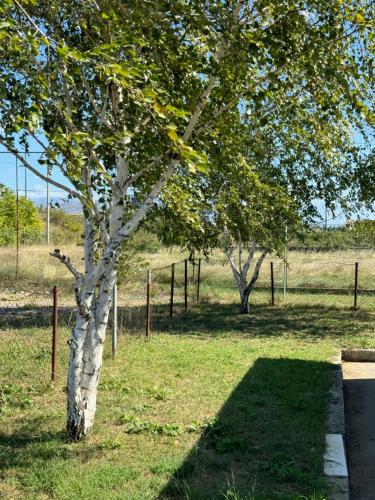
{"x":335,"y":464}
{"x":358,"y":355}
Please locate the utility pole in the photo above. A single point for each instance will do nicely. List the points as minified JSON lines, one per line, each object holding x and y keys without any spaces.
{"x":17,"y":222}
{"x":325,"y":217}
{"x":25,"y":178}
{"x":285,"y":280}
{"x":47,"y":207}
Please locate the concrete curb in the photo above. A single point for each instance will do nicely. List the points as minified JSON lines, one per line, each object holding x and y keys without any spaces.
{"x":358,"y":355}
{"x":335,"y":465}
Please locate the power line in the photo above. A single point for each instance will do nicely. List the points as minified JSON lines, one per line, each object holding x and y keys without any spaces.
{"x":22,"y":152}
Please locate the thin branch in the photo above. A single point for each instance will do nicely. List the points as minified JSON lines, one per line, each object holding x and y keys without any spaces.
{"x":68,"y":98}
{"x":51,"y":41}
{"x":102,"y":170}
{"x":210,"y":84}
{"x":275,"y":71}
{"x":253,"y":280}
{"x":98,"y":111}
{"x":67,"y":262}
{"x":131,"y":179}
{"x":14,"y":151}
{"x":45,"y":148}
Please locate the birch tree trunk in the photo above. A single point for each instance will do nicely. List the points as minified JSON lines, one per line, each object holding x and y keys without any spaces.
{"x":86,"y":354}
{"x":245,"y":288}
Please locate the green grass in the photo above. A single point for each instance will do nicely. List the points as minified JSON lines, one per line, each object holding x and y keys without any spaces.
{"x":216,"y":406}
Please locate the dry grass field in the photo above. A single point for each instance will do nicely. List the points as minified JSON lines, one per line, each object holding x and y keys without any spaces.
{"x":38,"y":273}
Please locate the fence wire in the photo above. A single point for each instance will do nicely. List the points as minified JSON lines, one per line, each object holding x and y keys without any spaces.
{"x":307,"y":278}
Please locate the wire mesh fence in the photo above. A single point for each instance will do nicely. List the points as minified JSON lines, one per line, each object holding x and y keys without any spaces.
{"x":344,"y":278}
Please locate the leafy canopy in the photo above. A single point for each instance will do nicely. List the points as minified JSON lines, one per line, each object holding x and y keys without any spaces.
{"x":154,"y":85}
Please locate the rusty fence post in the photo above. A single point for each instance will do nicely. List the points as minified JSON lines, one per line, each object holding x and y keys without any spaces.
{"x":272,"y":285}
{"x":54,"y":335}
{"x":114,"y":319}
{"x":355,"y":284}
{"x":172,"y":291}
{"x":198,"y":278}
{"x":148,"y":305}
{"x":186,"y":284}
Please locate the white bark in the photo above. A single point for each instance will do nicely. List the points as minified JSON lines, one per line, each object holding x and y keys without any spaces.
{"x":245,"y":287}
{"x":88,"y":334}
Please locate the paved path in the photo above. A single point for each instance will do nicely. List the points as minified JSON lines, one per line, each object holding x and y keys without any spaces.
{"x":359,"y":394}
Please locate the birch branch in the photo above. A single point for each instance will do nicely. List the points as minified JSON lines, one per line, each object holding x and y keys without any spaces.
{"x":98,"y":111}
{"x":210,"y":84}
{"x":45,"y":148}
{"x":236,"y":274}
{"x":251,"y":285}
{"x":249,"y":258}
{"x":50,"y":40}
{"x":67,"y":262}
{"x":110,"y":253}
{"x":272,"y":72}
{"x":82,"y":306}
{"x":14,"y":151}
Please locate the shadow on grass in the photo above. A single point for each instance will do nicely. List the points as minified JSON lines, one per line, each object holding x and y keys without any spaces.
{"x":32,"y":444}
{"x":267,"y":439}
{"x":310,"y":321}
{"x":302,"y":320}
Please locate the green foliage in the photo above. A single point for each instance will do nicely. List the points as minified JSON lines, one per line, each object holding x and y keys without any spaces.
{"x":29,"y":223}
{"x":178,"y":79}
{"x":136,"y":426}
{"x":64,"y":227}
{"x":359,"y":233}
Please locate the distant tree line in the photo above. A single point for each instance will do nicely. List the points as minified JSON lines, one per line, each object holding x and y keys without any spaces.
{"x":31,"y":221}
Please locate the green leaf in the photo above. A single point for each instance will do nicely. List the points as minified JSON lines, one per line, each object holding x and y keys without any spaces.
{"x":172,"y":134}
{"x":359,"y":19}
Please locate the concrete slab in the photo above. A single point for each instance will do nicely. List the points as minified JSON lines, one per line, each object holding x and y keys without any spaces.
{"x":334,"y":458}
{"x":359,"y":396}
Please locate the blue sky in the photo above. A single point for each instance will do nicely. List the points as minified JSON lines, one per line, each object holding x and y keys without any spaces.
{"x":37,"y":191}
{"x":36,"y":187}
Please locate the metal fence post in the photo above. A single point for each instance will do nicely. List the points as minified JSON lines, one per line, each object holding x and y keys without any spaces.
{"x":148,"y":305}
{"x":272,"y":286}
{"x":186,"y":284}
{"x":54,"y":335}
{"x":355,"y":284}
{"x":198,"y":279}
{"x":285,"y":277}
{"x":114,"y":318}
{"x":172,"y":291}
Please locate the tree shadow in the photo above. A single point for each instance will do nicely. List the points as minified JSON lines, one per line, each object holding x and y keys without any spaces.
{"x":31,"y":443}
{"x":314,"y":321}
{"x":304,"y":321}
{"x":266,"y":442}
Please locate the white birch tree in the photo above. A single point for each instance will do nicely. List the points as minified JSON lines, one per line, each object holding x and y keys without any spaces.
{"x":122,"y":96}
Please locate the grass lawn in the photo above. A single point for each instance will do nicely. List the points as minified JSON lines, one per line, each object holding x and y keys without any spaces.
{"x":216,"y":406}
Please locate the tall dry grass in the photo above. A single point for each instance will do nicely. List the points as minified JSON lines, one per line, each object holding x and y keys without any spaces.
{"x":38,"y":273}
